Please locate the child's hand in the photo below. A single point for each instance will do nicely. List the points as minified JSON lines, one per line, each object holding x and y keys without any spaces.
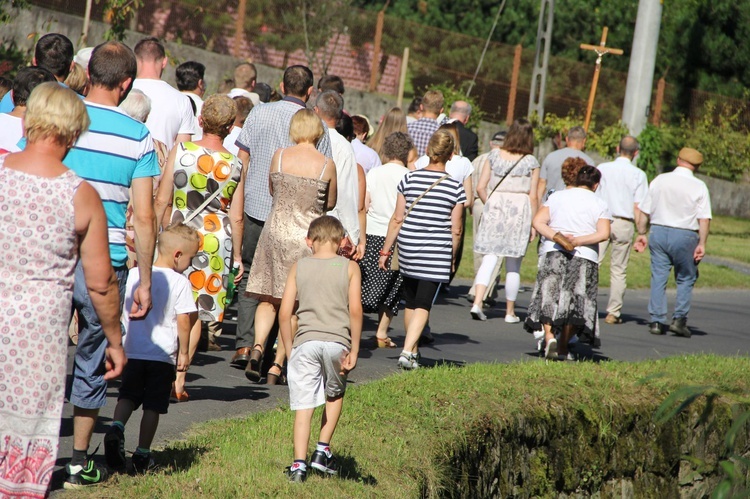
{"x":183,"y":361}
{"x":349,"y":363}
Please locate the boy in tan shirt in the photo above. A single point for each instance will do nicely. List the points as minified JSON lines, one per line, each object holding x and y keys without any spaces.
{"x":327,"y":290}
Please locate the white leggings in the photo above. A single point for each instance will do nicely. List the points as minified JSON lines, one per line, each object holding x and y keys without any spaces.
{"x":512,"y":274}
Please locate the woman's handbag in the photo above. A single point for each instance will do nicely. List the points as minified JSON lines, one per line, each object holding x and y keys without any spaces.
{"x":394,"y":256}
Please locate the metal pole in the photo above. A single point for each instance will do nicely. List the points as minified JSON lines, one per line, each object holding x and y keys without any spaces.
{"x":642,"y":64}
{"x":541,"y":59}
{"x":402,"y":77}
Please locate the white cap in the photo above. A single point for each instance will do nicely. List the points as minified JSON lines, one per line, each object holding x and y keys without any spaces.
{"x":83,"y":56}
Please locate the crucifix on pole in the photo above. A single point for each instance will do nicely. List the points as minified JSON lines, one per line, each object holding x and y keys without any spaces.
{"x":600,"y":50}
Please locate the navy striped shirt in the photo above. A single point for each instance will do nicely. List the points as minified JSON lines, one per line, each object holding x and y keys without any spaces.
{"x":425,"y":241}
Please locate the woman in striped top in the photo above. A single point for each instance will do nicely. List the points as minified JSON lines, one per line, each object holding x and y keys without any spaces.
{"x":428,"y":223}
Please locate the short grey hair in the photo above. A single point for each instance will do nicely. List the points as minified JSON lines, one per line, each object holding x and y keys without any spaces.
{"x":462,"y":108}
{"x":330,"y":104}
{"x":137,"y":105}
{"x":576,"y":133}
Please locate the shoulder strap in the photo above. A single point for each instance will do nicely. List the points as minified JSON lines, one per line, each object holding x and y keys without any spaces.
{"x":207,"y":201}
{"x":424,"y":193}
{"x":325,"y":164}
{"x":506,"y":174}
{"x":281,"y":153}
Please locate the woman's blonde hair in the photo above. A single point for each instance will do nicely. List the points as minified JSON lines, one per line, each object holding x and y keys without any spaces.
{"x":77,"y":80}
{"x":54,"y":111}
{"x":452,"y":128}
{"x":393,"y":121}
{"x":218,"y":114}
{"x":441,"y":146}
{"x":306,"y":127}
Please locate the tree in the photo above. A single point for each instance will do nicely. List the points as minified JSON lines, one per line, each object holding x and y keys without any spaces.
{"x":6,"y":8}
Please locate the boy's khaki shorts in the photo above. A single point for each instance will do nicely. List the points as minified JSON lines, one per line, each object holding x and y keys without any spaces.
{"x":314,"y":373}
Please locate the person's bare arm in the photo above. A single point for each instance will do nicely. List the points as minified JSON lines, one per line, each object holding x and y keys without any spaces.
{"x":286,"y":309}
{"x":601,"y":234}
{"x":641,"y":223}
{"x":237,"y":222}
{"x":166,"y":187}
{"x":182,"y":137}
{"x":469,"y":189}
{"x":144,"y":224}
{"x":394,"y":226}
{"x":355,"y":316}
{"x":184,"y":325}
{"x":540,"y":222}
{"x":700,"y":251}
{"x":101,"y":282}
{"x":534,"y":197}
{"x":484,"y":180}
{"x":361,"y":214}
{"x":457,"y":228}
{"x":332,"y":185}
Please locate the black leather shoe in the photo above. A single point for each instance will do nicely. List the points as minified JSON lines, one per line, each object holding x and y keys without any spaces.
{"x":655,"y":328}
{"x":679,"y":327}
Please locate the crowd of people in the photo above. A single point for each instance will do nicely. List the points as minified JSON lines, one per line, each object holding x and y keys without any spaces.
{"x":145,"y":209}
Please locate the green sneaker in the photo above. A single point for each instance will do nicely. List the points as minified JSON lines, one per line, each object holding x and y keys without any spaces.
{"x":81,"y":476}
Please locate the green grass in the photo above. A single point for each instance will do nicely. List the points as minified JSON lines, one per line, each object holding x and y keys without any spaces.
{"x":395,"y":433}
{"x":729,"y":238}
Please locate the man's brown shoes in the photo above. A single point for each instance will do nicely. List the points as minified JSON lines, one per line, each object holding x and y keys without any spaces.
{"x":240,"y":358}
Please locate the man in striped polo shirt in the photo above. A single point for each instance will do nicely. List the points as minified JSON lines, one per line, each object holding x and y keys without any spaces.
{"x":115,"y":154}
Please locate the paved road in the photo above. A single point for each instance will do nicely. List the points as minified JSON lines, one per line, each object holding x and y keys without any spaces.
{"x":718,"y":319}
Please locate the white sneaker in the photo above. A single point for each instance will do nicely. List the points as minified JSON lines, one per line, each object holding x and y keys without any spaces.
{"x":550,"y":351}
{"x":477,"y":314}
{"x":408,"y":362}
{"x":512,"y":319}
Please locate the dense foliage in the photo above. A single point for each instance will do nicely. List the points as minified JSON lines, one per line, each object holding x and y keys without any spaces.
{"x":704,"y":44}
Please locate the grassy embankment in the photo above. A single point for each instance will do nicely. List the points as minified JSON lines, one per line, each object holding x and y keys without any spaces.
{"x":729,"y":238}
{"x":397,"y":436}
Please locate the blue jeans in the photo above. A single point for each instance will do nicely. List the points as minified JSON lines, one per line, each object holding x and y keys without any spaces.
{"x":89,"y":389}
{"x":671,"y":247}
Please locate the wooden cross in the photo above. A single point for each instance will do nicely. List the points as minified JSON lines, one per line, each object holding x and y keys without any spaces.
{"x":600,"y":50}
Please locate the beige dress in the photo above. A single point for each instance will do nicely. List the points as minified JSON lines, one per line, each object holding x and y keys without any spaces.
{"x":506,"y":218}
{"x":297,"y":201}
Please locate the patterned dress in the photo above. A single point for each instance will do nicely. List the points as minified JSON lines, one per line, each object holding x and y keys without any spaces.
{"x":297,"y":201}
{"x":39,"y":252}
{"x":506,"y":218}
{"x":199,"y":172}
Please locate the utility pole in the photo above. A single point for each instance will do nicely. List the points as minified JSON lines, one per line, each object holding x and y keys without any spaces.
{"x":635,"y":110}
{"x":541,"y":59}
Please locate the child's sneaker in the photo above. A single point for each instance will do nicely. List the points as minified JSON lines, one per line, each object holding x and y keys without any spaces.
{"x":295,"y":473}
{"x":320,"y":461}
{"x":114,"y":448}
{"x":143,"y":463}
{"x":81,"y":476}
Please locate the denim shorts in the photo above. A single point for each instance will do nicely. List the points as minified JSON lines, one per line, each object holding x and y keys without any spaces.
{"x":89,"y":389}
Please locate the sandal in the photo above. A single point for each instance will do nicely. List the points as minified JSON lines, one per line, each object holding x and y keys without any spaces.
{"x":276,"y":379}
{"x":175,"y":397}
{"x":385,"y":342}
{"x":252,"y":371}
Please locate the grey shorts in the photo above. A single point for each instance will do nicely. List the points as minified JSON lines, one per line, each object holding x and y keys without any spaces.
{"x":314,"y":373}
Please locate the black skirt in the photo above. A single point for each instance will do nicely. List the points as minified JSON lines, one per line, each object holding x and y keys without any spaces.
{"x":379,"y":287}
{"x":565,"y":294}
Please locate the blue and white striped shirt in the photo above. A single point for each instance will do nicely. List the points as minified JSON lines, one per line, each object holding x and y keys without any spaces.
{"x":115,"y":150}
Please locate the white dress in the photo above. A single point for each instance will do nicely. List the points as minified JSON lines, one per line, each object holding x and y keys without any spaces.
{"x":506,"y":219}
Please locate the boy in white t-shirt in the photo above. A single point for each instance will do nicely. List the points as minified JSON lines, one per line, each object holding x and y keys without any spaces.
{"x":152,"y":345}
{"x":326,"y":291}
